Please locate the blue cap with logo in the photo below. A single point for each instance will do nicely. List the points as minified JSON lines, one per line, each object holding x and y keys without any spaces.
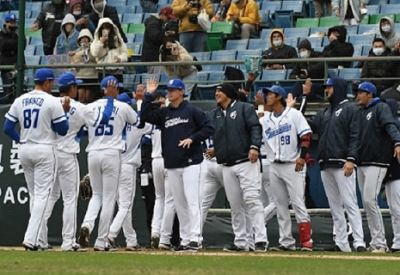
{"x":8,"y":17}
{"x":328,"y":83}
{"x":67,"y":79}
{"x":176,"y":84}
{"x":109,"y":81}
{"x":367,"y":87}
{"x":276,"y":89}
{"x":44,"y":74}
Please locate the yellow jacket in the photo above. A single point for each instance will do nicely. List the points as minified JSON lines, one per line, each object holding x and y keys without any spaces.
{"x":183,"y":12}
{"x":249,"y":14}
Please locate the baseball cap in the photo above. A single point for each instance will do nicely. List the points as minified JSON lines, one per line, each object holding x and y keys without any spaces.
{"x":67,"y":79}
{"x":367,"y":87}
{"x":328,"y":82}
{"x":124,"y":97}
{"x":176,"y":84}
{"x":109,"y":81}
{"x":10,"y":17}
{"x":276,"y":90}
{"x":44,"y":74}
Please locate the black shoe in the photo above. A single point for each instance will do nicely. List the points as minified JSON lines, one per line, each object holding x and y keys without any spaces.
{"x":260,"y":247}
{"x":234,"y":248}
{"x":191,"y":247}
{"x":111,"y":246}
{"x":29,"y":247}
{"x":155,"y":240}
{"x":282,"y":248}
{"x":333,"y":249}
{"x":361,"y":249}
{"x":84,"y":237}
{"x":395,"y":250}
{"x":194,"y":246}
{"x":165,"y":246}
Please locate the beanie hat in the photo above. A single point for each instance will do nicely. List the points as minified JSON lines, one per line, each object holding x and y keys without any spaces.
{"x":229,"y":90}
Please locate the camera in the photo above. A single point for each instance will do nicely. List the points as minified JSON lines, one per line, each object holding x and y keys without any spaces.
{"x":193,"y":19}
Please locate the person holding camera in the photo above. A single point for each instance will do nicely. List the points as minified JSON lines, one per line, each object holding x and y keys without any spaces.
{"x":246,"y":17}
{"x":191,"y":35}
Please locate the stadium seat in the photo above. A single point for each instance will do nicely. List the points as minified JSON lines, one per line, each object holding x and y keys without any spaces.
{"x":390,"y":9}
{"x":215,"y":41}
{"x":325,"y":41}
{"x":258,"y":44}
{"x":333,"y":73}
{"x":265,"y":18}
{"x":145,"y":77}
{"x":351,"y":30}
{"x":30,"y":50}
{"x":39,"y":50}
{"x":296,"y":32}
{"x":237,"y":44}
{"x":375,"y":18}
{"x":135,"y":47}
{"x":350,"y":73}
{"x":273,"y":75}
{"x":283,"y":19}
{"x":329,"y":21}
{"x":241,"y":55}
{"x":202,"y":77}
{"x":361,"y":39}
{"x":138,"y":9}
{"x":377,"y":2}
{"x":307,"y":22}
{"x":271,"y":6}
{"x":358,"y":50}
{"x":135,"y":18}
{"x":36,"y":40}
{"x":130,"y":37}
{"x":316,"y":42}
{"x":315,"y":30}
{"x":223,"y":55}
{"x":202,"y":56}
{"x":265,"y":34}
{"x":394,"y":2}
{"x":366,"y":49}
{"x":138,"y":37}
{"x":136,"y":28}
{"x":292,"y":41}
{"x":33,"y":6}
{"x":297,"y":7}
{"x":132,"y":2}
{"x":216,"y":77}
{"x":367,"y":29}
{"x":373,"y":9}
{"x":32,"y":59}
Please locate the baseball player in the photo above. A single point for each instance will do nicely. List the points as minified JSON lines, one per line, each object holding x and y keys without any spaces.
{"x":42,"y":117}
{"x":237,"y":141}
{"x":380,"y":139}
{"x":104,"y":163}
{"x":287,"y":137}
{"x":67,"y":180}
{"x":183,"y":128}
{"x":338,"y":128}
{"x":130,"y":162}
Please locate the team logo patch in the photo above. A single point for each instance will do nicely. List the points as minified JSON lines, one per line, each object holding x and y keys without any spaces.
{"x":369,"y":115}
{"x":233,"y":115}
{"x":337,"y":113}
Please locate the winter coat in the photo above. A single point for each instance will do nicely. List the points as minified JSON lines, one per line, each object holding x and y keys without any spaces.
{"x":344,"y":5}
{"x":392,"y":37}
{"x":315,"y":70}
{"x":249,"y":14}
{"x":110,"y":12}
{"x":183,"y":13}
{"x":393,"y":172}
{"x":49,"y":20}
{"x":64,"y":43}
{"x":284,"y":51}
{"x":104,"y":54}
{"x":8,"y":47}
{"x":180,"y":71}
{"x":83,"y":56}
{"x":153,"y":39}
{"x":338,"y":48}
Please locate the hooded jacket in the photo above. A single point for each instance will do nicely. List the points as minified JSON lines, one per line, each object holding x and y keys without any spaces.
{"x":392,"y":37}
{"x":102,"y":53}
{"x":8,"y":47}
{"x":338,"y":48}
{"x":184,"y":13}
{"x":393,"y":172}
{"x":110,"y":12}
{"x":249,"y":14}
{"x":79,"y":27}
{"x":180,"y":71}
{"x":338,"y":128}
{"x":378,"y":134}
{"x":303,"y":70}
{"x":343,"y":6}
{"x":66,"y":43}
{"x":82,"y":56}
{"x":284,"y":51}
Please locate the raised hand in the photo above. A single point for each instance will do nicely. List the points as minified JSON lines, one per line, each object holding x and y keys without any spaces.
{"x":151,"y":85}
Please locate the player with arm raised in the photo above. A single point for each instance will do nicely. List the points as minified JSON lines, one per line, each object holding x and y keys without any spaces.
{"x":42,"y":117}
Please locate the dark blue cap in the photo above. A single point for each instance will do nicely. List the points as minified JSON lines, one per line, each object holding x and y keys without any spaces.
{"x":367,"y":87}
{"x":124,"y":97}
{"x":176,"y":84}
{"x":276,"y":90}
{"x":109,"y":81}
{"x":10,"y":17}
{"x":328,"y":83}
{"x":67,"y":79}
{"x":44,"y":74}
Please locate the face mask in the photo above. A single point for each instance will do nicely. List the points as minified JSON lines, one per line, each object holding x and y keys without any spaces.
{"x":277,"y":42}
{"x":378,"y":51}
{"x":304,"y":54}
{"x":386,"y":28}
{"x":84,"y":44}
{"x":99,"y":6}
{"x":77,"y":13}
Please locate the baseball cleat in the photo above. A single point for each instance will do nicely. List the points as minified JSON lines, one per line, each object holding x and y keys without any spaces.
{"x":192,"y":247}
{"x":260,"y":247}
{"x":282,"y":248}
{"x":29,"y":247}
{"x":377,"y":249}
{"x":361,"y":249}
{"x":395,"y":250}
{"x":165,"y":246}
{"x":84,"y":237}
{"x":155,"y":240}
{"x":307,"y":246}
{"x":133,"y":248}
{"x":234,"y":248}
{"x":111,"y":246}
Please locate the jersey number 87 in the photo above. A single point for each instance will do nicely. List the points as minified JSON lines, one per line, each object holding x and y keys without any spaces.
{"x":31,"y":115}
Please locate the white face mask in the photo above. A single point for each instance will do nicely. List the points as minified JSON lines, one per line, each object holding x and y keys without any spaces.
{"x":378,"y":51}
{"x":304,"y":54}
{"x":77,"y":12}
{"x":386,"y":28}
{"x":277,"y":42}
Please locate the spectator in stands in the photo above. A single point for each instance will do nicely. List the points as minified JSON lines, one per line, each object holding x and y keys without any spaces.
{"x":349,"y":11}
{"x":173,"y":51}
{"x":109,"y":47}
{"x":394,"y":91}
{"x":191,"y":35}
{"x":49,"y":20}
{"x":76,"y":8}
{"x":278,"y":50}
{"x":8,"y":56}
{"x":222,"y":11}
{"x":86,"y":91}
{"x":246,"y":17}
{"x":338,"y":47}
{"x":305,"y":70}
{"x":156,"y":30}
{"x":149,"y":6}
{"x":388,"y":32}
{"x":379,"y":69}
{"x":320,"y":5}
{"x":67,"y":41}
{"x":102,"y":10}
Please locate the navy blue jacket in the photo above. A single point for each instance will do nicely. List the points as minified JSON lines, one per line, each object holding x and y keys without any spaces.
{"x":185,"y":121}
{"x":393,"y":172}
{"x":378,"y":134}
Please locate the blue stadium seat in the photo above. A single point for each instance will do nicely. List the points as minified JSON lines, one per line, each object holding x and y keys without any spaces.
{"x":147,"y":15}
{"x":351,"y":30}
{"x":138,"y":37}
{"x":291,"y":41}
{"x":273,"y":75}
{"x":390,"y":9}
{"x":377,"y":2}
{"x":298,"y":7}
{"x":237,"y":44}
{"x":216,"y":77}
{"x":241,"y":55}
{"x":28,"y":22}
{"x":265,"y":34}
{"x":314,"y":30}
{"x":145,"y":77}
{"x":283,"y":18}
{"x":33,"y":6}
{"x":350,"y":73}
{"x":325,"y":41}
{"x":316,"y":42}
{"x":32,"y":59}
{"x":138,"y":9}
{"x":202,"y":77}
{"x":224,"y":55}
{"x":136,"y":47}
{"x":30,"y":50}
{"x":271,"y":6}
{"x":366,"y":49}
{"x":130,"y":37}
{"x":296,"y":32}
{"x":164,"y":78}
{"x":135,"y":18}
{"x":333,"y":73}
{"x":39,"y":50}
{"x":394,"y":2}
{"x":373,"y":9}
{"x":134,"y":2}
{"x":367,"y":29}
{"x":261,"y":44}
{"x":265,"y":18}
{"x":358,"y":50}
{"x":36,"y":40}
{"x":203,"y":56}
{"x":361,"y":39}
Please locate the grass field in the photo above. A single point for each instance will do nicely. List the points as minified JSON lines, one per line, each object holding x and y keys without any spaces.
{"x":21,"y":262}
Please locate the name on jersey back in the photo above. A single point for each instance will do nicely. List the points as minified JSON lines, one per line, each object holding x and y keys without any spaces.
{"x":33,"y":101}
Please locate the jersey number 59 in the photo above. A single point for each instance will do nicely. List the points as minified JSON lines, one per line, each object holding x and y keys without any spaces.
{"x":105,"y":129}
{"x":31,"y":117}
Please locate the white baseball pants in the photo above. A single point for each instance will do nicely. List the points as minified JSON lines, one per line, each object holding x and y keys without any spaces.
{"x":341,"y":193}
{"x":126,"y":196}
{"x":167,"y":222}
{"x":269,"y":205}
{"x":393,"y":198}
{"x":185,"y":188}
{"x":39,"y":162}
{"x":104,"y":170}
{"x":67,"y":182}
{"x":242,"y":188}
{"x":287,"y":185}
{"x":370,"y":180}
